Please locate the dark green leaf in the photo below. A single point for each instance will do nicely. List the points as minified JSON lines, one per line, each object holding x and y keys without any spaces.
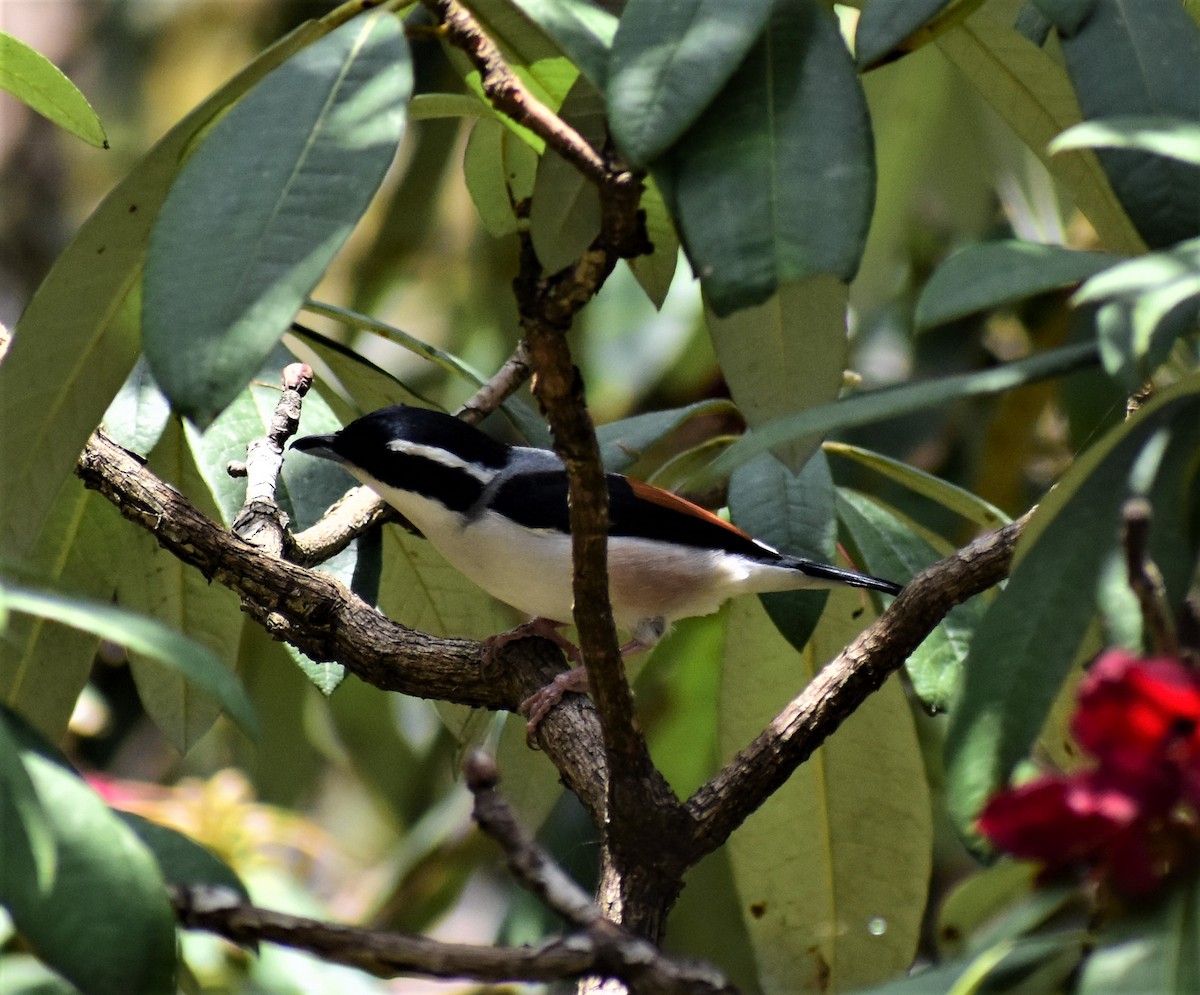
{"x":564,"y":214}
{"x":669,"y":60}
{"x":1171,"y":137}
{"x":776,"y":180}
{"x":499,"y":170}
{"x":30,"y":76}
{"x":794,"y":513}
{"x":104,"y":921}
{"x":992,"y":274}
{"x":52,"y":398}
{"x":263,"y":205}
{"x":1030,"y":636}
{"x":1139,"y":58}
{"x":1066,"y":15}
{"x":584,"y":31}
{"x":879,"y":404}
{"x":182,"y":860}
{"x":656,"y":271}
{"x":145,"y":636}
{"x":895,"y":550}
{"x":1152,"y":947}
{"x":139,"y":413}
{"x":962,"y":502}
{"x":622,"y":443}
{"x":885,"y":25}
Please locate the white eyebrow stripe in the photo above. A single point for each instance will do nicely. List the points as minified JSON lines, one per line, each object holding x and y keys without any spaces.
{"x":438,"y":455}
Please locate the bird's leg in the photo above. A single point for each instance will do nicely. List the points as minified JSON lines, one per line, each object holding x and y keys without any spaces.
{"x":538,"y":705}
{"x":544,"y":627}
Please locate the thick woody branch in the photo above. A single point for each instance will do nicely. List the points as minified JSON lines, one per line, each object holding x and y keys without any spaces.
{"x":722,"y":804}
{"x":327,"y":621}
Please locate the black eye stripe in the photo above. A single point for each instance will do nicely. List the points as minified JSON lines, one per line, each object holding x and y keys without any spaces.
{"x":453,"y":486}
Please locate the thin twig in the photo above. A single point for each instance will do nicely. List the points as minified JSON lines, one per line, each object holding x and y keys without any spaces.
{"x":499,"y":388}
{"x":1144,"y":578}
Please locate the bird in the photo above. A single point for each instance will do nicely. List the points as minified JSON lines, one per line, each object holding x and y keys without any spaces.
{"x":498,"y":514}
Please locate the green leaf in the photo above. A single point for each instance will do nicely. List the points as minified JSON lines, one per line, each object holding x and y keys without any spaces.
{"x":582,"y":30}
{"x":786,"y":355}
{"x":30,"y":840}
{"x":876,"y":405}
{"x":139,"y":413}
{"x":84,"y":548}
{"x":962,"y":502}
{"x":1152,"y":947}
{"x":1175,"y":138}
{"x":669,"y":61}
{"x":564,"y":213}
{"x":1066,"y":15}
{"x":1032,"y":93}
{"x":499,"y":170}
{"x":992,"y":274}
{"x":30,"y":76}
{"x":144,"y":636}
{"x":522,"y":417}
{"x":1028,"y":640}
{"x":656,"y":271}
{"x":898,"y":26}
{"x":183,"y":861}
{"x":839,"y":902}
{"x":52,"y":397}
{"x":792,"y":512}
{"x":177,"y":595}
{"x":775,"y":181}
{"x":624,"y":442}
{"x":891,"y":548}
{"x":263,"y":205}
{"x":104,"y":921}
{"x":1147,"y":309}
{"x":1138,"y":58}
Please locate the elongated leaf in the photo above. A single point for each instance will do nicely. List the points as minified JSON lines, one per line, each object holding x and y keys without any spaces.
{"x":962,"y":502}
{"x":1138,"y":58}
{"x":668,"y":62}
{"x":775,"y":181}
{"x":893,"y":27}
{"x":838,"y":904}
{"x":1029,"y":638}
{"x":1155,"y":947}
{"x":992,"y":274}
{"x":181,"y":598}
{"x":624,"y":442}
{"x":529,"y":424}
{"x":892,"y":549}
{"x":785,"y":355}
{"x":1033,"y":94}
{"x":31,"y":77}
{"x":30,"y":839}
{"x":259,"y":210}
{"x":564,"y":214}
{"x":139,"y":413}
{"x":656,"y":271}
{"x":794,"y":513}
{"x":182,"y":860}
{"x":52,"y":398}
{"x":1174,"y":138}
{"x":878,"y":404}
{"x":499,"y":170}
{"x":369,"y":387}
{"x":83,"y":549}
{"x":582,"y":30}
{"x":145,"y":636}
{"x":102,"y":869}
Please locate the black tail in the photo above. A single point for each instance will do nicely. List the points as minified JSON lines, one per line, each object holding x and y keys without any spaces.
{"x":839,"y":575}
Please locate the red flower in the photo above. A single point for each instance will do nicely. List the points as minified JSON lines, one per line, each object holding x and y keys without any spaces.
{"x":1140,"y":719}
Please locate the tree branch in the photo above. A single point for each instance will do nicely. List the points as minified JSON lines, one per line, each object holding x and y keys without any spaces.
{"x":723,"y":804}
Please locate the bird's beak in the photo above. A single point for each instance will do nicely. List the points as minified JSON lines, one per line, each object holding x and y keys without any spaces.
{"x":318,"y":445}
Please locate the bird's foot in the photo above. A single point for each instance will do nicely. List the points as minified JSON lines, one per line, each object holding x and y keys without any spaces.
{"x":537,"y":706}
{"x":544,"y":627}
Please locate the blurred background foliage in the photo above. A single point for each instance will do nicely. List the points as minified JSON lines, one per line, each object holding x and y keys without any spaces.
{"x":350,"y":806}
